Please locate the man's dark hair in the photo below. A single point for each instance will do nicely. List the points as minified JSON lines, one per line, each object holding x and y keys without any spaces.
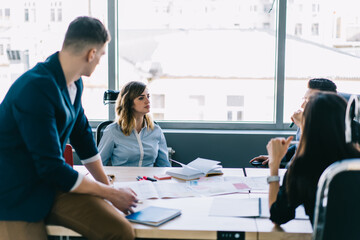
{"x":322,"y":84}
{"x":84,"y":31}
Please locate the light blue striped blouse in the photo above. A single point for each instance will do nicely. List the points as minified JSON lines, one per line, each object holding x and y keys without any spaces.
{"x":145,"y":149}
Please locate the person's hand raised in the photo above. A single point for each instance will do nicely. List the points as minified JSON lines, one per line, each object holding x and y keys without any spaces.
{"x":277,"y":148}
{"x":297,"y":117}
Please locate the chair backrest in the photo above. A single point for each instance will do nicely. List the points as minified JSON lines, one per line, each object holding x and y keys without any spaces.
{"x":337,"y":208}
{"x":110,"y":96}
{"x":68,"y":155}
{"x":100,"y":129}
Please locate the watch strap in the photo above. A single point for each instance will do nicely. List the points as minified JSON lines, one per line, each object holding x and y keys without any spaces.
{"x":270,"y":179}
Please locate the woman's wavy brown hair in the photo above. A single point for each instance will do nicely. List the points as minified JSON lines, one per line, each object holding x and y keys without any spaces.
{"x":124,"y":107}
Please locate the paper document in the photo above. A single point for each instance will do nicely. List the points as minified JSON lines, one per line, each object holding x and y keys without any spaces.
{"x":247,"y":207}
{"x":253,"y":184}
{"x":213,"y":188}
{"x":148,"y":189}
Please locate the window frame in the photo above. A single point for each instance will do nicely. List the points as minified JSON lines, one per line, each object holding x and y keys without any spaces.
{"x":279,"y":80}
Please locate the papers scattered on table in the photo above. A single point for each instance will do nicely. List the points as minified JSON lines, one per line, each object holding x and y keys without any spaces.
{"x":246,"y":207}
{"x":195,"y":169}
{"x":154,"y":216}
{"x":205,"y":186}
{"x":148,"y":189}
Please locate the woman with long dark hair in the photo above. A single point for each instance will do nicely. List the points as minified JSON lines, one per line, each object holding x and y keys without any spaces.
{"x":322,"y":143}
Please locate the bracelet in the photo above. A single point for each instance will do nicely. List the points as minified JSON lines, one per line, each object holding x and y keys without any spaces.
{"x":270,"y":179}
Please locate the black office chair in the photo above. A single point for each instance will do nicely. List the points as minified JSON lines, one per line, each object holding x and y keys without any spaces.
{"x":100,"y":130}
{"x":337,"y":207}
{"x":110,"y":96}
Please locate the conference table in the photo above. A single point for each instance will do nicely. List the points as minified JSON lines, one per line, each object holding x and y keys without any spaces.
{"x":195,"y":221}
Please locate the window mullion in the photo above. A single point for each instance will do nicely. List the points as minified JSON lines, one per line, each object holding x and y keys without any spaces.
{"x":280,"y":63}
{"x":112,"y":51}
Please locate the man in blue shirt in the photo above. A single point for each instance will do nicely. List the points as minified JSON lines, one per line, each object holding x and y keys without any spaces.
{"x":40,"y":112}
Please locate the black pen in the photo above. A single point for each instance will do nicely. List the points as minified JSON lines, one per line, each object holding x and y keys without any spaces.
{"x":291,"y":125}
{"x":139,"y":178}
{"x":151,"y":179}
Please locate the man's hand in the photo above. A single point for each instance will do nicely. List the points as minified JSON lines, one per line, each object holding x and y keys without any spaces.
{"x":123,"y":199}
{"x":262,"y":158}
{"x":297,"y":117}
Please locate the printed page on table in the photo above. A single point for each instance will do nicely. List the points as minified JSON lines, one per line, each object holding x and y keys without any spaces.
{"x":148,"y":189}
{"x":240,"y":187}
{"x":212,"y":188}
{"x":235,"y":207}
{"x":174,"y":190}
{"x":253,"y":184}
{"x":247,"y":207}
{"x":143,"y":189}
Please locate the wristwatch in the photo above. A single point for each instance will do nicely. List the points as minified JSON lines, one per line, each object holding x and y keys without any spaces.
{"x":270,"y":179}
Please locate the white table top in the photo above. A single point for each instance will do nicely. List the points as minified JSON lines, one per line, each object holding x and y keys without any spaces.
{"x":195,"y":222}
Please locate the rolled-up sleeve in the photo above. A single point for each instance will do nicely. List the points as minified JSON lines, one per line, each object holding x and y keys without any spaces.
{"x":78,"y":182}
{"x":91,"y":159}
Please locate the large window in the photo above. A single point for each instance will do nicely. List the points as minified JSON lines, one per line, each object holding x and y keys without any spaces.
{"x":329,"y":47}
{"x":224,"y":48}
{"x":230,"y":64}
{"x":212,"y":60}
{"x":35,"y":29}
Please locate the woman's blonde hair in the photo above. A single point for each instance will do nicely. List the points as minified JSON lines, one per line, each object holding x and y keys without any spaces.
{"x":124,"y":107}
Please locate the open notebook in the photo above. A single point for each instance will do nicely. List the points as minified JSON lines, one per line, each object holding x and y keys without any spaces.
{"x":197,"y":168}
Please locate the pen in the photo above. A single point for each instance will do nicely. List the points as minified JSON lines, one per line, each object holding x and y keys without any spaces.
{"x":151,"y":179}
{"x":291,"y":125}
{"x":139,"y":178}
